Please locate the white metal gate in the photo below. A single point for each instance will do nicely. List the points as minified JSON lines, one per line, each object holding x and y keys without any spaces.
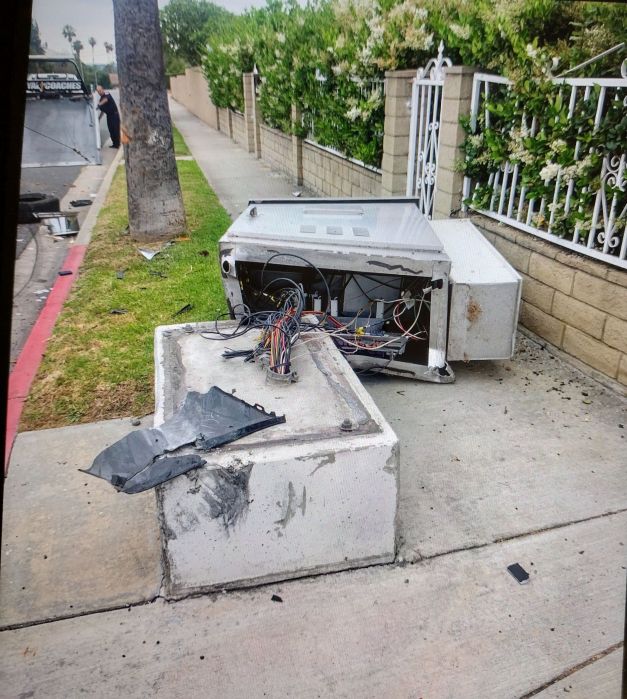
{"x":424,"y":131}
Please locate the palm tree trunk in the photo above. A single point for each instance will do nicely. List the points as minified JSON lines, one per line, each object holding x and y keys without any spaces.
{"x":155,"y":204}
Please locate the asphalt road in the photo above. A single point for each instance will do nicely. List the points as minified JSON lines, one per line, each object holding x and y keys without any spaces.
{"x":39,"y":256}
{"x":55,"y":181}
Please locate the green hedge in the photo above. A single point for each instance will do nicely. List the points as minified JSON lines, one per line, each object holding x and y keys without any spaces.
{"x":329,"y":57}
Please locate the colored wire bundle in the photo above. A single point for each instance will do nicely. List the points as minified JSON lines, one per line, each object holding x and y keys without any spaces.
{"x":281,"y":328}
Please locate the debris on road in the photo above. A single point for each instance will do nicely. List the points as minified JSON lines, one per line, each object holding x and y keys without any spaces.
{"x":65,"y":272}
{"x":81,"y":202}
{"x":149,"y":253}
{"x":519,"y":573}
{"x":187,"y":307}
{"x":276,"y":598}
{"x":60,"y":223}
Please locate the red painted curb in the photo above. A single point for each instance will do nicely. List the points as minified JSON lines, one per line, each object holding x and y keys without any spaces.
{"x":32,"y":353}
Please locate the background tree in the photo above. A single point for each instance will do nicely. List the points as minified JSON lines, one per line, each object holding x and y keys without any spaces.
{"x":36,"y":47}
{"x":155,"y":204}
{"x":186,"y":25}
{"x":108,"y":48}
{"x":69,"y":33}
{"x":92,"y":42}
{"x":77,"y":45}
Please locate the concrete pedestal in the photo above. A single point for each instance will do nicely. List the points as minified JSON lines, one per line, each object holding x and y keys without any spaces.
{"x":300,"y":498}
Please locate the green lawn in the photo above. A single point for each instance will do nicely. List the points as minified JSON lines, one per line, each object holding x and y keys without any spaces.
{"x":100,"y":365}
{"x":180,"y":147}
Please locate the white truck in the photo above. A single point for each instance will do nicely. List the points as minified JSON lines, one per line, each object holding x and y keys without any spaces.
{"x":60,"y":121}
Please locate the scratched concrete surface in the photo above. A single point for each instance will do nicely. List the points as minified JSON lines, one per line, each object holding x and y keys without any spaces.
{"x":436,"y":635}
{"x":509,"y":448}
{"x":455,"y":626}
{"x":517,"y":461}
{"x":599,"y":680}
{"x":70,"y":543}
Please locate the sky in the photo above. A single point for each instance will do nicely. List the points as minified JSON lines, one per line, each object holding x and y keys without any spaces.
{"x":93,"y":18}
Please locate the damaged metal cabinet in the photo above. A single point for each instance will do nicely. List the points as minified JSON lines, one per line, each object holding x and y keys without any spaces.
{"x":316,"y":494}
{"x":368,"y":251}
{"x":484,"y":297}
{"x":371,"y":254}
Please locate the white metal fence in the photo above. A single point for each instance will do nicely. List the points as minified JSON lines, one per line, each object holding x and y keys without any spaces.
{"x":424,"y":131}
{"x":597,"y":209}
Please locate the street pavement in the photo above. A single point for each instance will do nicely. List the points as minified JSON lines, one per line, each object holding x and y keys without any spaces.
{"x":39,"y":256}
{"x":517,"y":461}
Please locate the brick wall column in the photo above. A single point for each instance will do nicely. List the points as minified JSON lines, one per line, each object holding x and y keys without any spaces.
{"x":396,"y":132}
{"x":249,"y":110}
{"x":297,"y":147}
{"x":456,"y":95}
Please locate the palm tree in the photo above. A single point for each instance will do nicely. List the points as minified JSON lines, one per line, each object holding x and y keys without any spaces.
{"x":92,"y":42}
{"x":155,"y":204}
{"x":69,"y":33}
{"x":108,"y":48}
{"x":78,"y":47}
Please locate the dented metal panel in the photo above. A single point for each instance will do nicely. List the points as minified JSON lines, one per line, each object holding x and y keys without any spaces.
{"x":484,"y":294}
{"x":356,"y":237}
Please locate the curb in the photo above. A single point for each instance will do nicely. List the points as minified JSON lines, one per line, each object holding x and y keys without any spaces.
{"x":29,"y":359}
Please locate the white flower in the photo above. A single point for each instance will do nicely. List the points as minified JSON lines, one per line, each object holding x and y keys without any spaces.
{"x":376,"y":28}
{"x":558,"y":145}
{"x":365,"y":55}
{"x":531,"y":51}
{"x":375,"y":98}
{"x":353,"y":113}
{"x":476,"y":140}
{"x":549,"y":172}
{"x":459,"y":31}
{"x":340,"y":68}
{"x":280,"y":37}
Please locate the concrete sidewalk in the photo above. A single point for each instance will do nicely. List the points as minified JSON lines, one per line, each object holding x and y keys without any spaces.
{"x":519,"y":461}
{"x":235,"y":175}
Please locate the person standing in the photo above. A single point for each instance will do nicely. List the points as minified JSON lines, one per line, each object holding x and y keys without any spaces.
{"x":107,"y":106}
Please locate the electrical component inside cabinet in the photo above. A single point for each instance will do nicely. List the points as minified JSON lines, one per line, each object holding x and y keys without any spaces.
{"x":369,"y":273}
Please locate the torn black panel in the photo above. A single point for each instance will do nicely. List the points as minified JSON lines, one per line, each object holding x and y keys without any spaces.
{"x":231,"y":419}
{"x":163,"y":469}
{"x":136,"y":462}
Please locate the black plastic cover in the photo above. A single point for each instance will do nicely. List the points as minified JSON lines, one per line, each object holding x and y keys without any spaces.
{"x":207,"y":420}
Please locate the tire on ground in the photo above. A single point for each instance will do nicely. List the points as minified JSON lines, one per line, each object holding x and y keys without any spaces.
{"x":32,"y":203}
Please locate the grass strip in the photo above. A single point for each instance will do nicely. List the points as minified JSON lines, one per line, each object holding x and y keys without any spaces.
{"x":99,"y":361}
{"x":180,"y":147}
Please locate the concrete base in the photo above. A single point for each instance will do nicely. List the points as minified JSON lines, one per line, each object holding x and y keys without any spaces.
{"x":269,"y":506}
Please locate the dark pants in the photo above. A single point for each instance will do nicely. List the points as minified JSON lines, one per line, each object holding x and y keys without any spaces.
{"x":113,"y":124}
